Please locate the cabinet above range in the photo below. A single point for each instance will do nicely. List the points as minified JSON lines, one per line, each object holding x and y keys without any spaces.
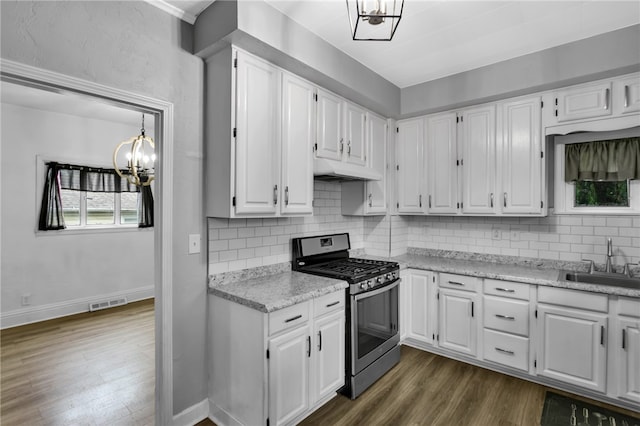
{"x":264,"y":128}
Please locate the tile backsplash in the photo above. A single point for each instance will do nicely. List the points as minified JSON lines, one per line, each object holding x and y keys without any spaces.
{"x":236,"y":244}
{"x":557,"y":237}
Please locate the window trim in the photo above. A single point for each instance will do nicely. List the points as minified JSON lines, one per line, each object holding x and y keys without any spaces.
{"x":564,"y":192}
{"x":41,"y":167}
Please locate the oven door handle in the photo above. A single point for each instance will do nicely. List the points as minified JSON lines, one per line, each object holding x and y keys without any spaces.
{"x":377,"y":291}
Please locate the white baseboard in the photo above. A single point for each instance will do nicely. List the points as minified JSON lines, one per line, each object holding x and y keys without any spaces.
{"x":193,"y":414}
{"x":49,"y":311}
{"x":221,"y":417}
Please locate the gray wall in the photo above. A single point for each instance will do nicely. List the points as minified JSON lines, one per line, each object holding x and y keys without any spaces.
{"x":265,"y":31}
{"x":137,"y":47}
{"x":602,"y":56}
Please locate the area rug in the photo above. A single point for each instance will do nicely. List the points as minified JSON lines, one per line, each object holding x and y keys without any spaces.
{"x":560,"y":410}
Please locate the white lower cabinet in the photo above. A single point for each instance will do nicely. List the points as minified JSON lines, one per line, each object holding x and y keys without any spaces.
{"x":573,"y":337}
{"x":421,"y":307}
{"x":458,"y":321}
{"x":275,"y":368}
{"x":289,"y":356}
{"x":627,"y":350}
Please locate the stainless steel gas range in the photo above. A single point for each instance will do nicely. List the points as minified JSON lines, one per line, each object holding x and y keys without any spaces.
{"x":372,"y":334}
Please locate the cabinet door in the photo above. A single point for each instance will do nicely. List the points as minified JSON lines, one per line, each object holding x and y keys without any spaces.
{"x":376,"y":189}
{"x":297,"y":136}
{"x":329,"y":137}
{"x":479,"y":160}
{"x":572,"y":346}
{"x":630,"y":96}
{"x":442,"y":170}
{"x":289,"y":356}
{"x":421,"y":288}
{"x":629,"y":359}
{"x":330,"y":356}
{"x":584,"y":102}
{"x":409,"y":151}
{"x":256,"y":149}
{"x":520,"y":157}
{"x":355,"y":149}
{"x":458,"y":321}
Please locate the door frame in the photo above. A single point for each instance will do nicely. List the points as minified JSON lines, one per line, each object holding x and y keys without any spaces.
{"x":19,"y":73}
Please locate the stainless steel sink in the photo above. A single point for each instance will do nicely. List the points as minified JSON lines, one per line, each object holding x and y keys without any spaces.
{"x":601,"y":278}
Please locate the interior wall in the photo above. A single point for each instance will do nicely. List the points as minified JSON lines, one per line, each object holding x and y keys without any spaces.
{"x":555,"y":237}
{"x":131,"y":45}
{"x":236,"y":244}
{"x":602,"y":56}
{"x":53,"y":267}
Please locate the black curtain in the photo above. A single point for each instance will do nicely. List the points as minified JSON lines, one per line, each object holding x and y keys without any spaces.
{"x":89,"y":179}
{"x":51,"y":210}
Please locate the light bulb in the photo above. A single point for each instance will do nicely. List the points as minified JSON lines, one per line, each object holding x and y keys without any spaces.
{"x":128,"y":156}
{"x":153,"y":157}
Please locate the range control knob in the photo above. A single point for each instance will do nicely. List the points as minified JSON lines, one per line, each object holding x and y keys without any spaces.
{"x":380,"y":279}
{"x":363,"y":286}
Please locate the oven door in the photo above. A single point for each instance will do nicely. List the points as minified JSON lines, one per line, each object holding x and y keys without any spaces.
{"x":374,"y":325}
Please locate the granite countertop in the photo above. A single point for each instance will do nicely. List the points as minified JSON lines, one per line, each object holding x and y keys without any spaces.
{"x":271,"y":292}
{"x":525,"y":273}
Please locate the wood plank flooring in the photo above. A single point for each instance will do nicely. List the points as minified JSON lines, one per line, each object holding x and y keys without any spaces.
{"x":427,"y":389}
{"x":87,"y":369}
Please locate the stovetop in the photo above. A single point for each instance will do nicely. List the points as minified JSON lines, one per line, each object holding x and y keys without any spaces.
{"x":351,"y":269}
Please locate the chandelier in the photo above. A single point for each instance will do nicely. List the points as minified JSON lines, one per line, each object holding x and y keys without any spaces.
{"x":374,"y":20}
{"x":140,"y":159}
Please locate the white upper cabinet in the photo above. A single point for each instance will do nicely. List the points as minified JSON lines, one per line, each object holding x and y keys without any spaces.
{"x":298,"y":117}
{"x":377,"y":140}
{"x":259,"y":129}
{"x":583,"y":102}
{"x":627,"y":94}
{"x":355,"y":148}
{"x":442,"y":169}
{"x":409,"y":158}
{"x":329,"y":131}
{"x":521,"y":157}
{"x":478,"y":140}
{"x":257,"y":162}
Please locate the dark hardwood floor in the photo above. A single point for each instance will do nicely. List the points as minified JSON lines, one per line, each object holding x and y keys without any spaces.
{"x":98,"y":369}
{"x":87,"y":369}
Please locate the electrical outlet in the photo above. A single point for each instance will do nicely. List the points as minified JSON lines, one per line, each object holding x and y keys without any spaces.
{"x":194,"y":243}
{"x":495,"y":234}
{"x":26,"y":299}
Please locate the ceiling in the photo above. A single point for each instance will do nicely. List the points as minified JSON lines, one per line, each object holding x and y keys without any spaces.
{"x":71,"y":104}
{"x":440,"y":38}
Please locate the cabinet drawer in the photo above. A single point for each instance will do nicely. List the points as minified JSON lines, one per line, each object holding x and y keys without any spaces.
{"x":573,"y":298}
{"x":460,"y":282}
{"x":506,"y":289}
{"x":506,"y":349}
{"x":328,"y":303}
{"x":629,"y":307}
{"x":508,"y":315}
{"x":287,"y":318}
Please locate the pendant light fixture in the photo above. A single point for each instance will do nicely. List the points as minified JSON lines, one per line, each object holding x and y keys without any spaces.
{"x":140,"y":159}
{"x":374,"y":20}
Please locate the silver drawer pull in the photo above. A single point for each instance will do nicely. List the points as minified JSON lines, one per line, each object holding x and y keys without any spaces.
{"x":505,"y":317}
{"x":333,"y":304}
{"x":293,"y":319}
{"x":455,"y":283}
{"x":504,"y":351}
{"x":506,"y":290}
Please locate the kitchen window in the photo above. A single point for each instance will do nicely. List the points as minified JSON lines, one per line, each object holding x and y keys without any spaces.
{"x":102,"y":209}
{"x":597,"y":176}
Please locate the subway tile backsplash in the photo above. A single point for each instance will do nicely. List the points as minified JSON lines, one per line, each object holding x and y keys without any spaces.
{"x":236,"y":244}
{"x":568,"y":238}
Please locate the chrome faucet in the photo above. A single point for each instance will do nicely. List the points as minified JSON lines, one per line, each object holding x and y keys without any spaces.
{"x":608,"y":266}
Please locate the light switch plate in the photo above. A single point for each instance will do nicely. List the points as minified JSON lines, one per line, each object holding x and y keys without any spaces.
{"x":194,"y":243}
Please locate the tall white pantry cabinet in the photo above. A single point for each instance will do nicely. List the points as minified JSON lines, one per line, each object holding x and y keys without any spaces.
{"x":259,"y":132}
